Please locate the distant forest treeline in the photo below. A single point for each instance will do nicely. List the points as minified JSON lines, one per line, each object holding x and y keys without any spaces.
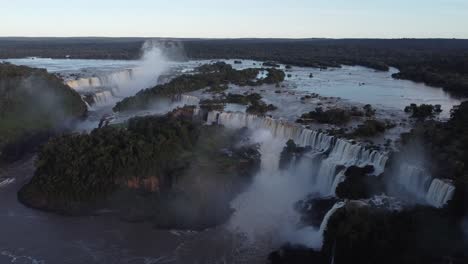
{"x":437,"y":62}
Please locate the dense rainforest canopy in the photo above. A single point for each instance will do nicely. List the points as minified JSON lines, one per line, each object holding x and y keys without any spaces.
{"x":33,"y":102}
{"x":160,"y":160}
{"x":437,"y":62}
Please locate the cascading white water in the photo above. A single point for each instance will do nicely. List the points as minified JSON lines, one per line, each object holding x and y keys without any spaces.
{"x":113,"y":79}
{"x":323,"y":225}
{"x":126,"y":82}
{"x":334,"y":156}
{"x":185,"y":99}
{"x":84,"y":83}
{"x":313,"y":238}
{"x":327,"y":175}
{"x":265,"y":212}
{"x":418,"y":182}
{"x":267,"y":207}
{"x":340,"y":153}
{"x":103,"y":98}
{"x":414,"y":179}
{"x":440,"y":192}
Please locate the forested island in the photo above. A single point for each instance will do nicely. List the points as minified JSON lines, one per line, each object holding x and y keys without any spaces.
{"x":169,"y":170}
{"x":212,"y":76}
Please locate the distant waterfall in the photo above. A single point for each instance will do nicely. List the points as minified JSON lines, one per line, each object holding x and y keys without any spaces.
{"x":440,"y":192}
{"x":84,"y":83}
{"x":338,"y":153}
{"x":414,"y":179}
{"x":103,"y":98}
{"x":185,"y":99}
{"x":106,"y":80}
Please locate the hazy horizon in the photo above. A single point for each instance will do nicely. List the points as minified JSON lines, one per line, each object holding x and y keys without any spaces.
{"x":226,"y":38}
{"x":296,"y":19}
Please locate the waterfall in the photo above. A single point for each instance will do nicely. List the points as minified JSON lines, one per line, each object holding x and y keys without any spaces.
{"x":106,"y":80}
{"x":117,"y":78}
{"x":327,"y":174}
{"x":414,"y":179}
{"x":266,"y":209}
{"x":418,"y":182}
{"x":339,"y":178}
{"x":83,"y":83}
{"x":185,"y":99}
{"x":323,"y":225}
{"x":339,"y":153}
{"x":103,"y":98}
{"x":145,"y":73}
{"x":440,"y":192}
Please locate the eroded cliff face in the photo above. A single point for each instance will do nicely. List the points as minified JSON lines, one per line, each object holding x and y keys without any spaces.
{"x":149,"y":184}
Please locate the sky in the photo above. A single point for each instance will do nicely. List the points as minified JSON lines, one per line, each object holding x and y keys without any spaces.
{"x":236,"y":18}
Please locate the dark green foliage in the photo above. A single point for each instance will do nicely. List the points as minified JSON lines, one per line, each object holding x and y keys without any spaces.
{"x":423,"y":111}
{"x":274,"y":76}
{"x":358,"y":184}
{"x":438,"y":62}
{"x":212,"y":105}
{"x":34,"y":102}
{"x":78,"y":48}
{"x":369,"y":111}
{"x":451,"y":81}
{"x":447,"y":143}
{"x":211,"y":75}
{"x":271,"y":64}
{"x":217,"y":88}
{"x":289,"y":153}
{"x":243,"y":99}
{"x":369,"y":128}
{"x":255,"y":104}
{"x":79,"y":168}
{"x":27,"y":143}
{"x":331,"y":116}
{"x":214,"y":67}
{"x":309,"y":96}
{"x":260,"y":108}
{"x":357,"y":234}
{"x":167,"y":170}
{"x":219,"y":170}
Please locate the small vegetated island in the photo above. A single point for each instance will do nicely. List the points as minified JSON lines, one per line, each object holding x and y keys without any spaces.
{"x":210,"y":76}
